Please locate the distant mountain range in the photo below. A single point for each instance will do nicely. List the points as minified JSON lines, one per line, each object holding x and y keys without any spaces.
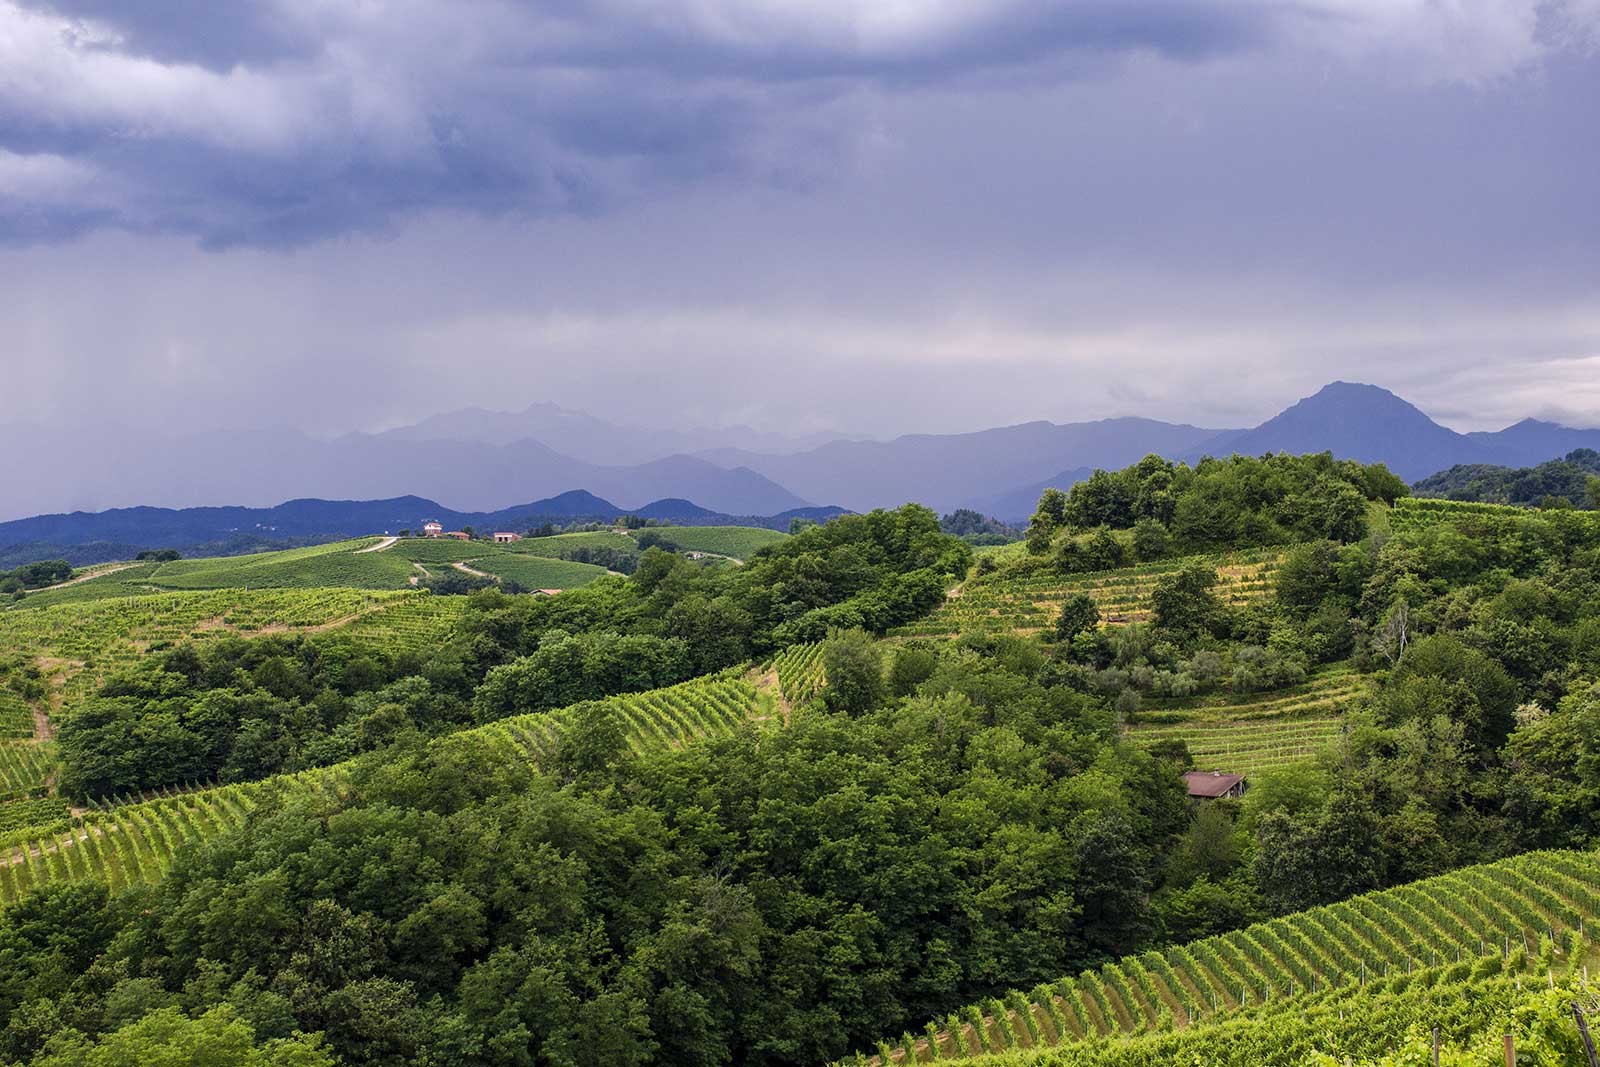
{"x":1001,"y":472}
{"x":261,"y":467}
{"x":481,"y":461}
{"x":82,"y":538}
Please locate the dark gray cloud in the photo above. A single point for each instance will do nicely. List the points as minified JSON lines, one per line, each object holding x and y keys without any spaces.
{"x":871,"y":217}
{"x":282,"y":121}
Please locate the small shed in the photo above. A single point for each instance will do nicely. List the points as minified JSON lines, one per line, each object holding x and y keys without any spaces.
{"x":459,"y":535}
{"x":1213,"y":785}
{"x":505,"y":537}
{"x":432,"y":529}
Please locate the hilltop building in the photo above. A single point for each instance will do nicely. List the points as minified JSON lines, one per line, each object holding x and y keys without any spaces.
{"x":502,"y":537}
{"x":432,"y":529}
{"x":1213,"y":785}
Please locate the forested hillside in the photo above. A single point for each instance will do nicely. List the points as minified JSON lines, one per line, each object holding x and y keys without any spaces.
{"x":1573,"y":481}
{"x":866,"y":794}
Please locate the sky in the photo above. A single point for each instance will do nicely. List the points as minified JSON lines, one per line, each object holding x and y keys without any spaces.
{"x":800,"y":215}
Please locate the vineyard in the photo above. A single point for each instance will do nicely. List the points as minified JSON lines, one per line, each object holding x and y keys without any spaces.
{"x":538,"y":572}
{"x":408,"y":622}
{"x":556,"y":545}
{"x":1249,"y":736}
{"x":126,"y":844}
{"x":1411,"y":514}
{"x":1473,"y":1005}
{"x":715,"y":705}
{"x":800,"y":673}
{"x":16,"y":717}
{"x":134,"y":842}
{"x":736,"y":542}
{"x":86,"y":642}
{"x":1030,"y":600}
{"x":24,"y":770}
{"x":1469,"y":924}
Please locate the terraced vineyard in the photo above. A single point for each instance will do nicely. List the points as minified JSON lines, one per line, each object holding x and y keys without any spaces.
{"x":800,"y":671}
{"x":134,"y":842}
{"x":1455,"y":925}
{"x":1027,"y":602}
{"x":704,"y":707}
{"x":1262,"y":733}
{"x":126,"y":844}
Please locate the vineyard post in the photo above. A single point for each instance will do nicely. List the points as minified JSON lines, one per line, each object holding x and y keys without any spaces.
{"x":1435,"y":1046}
{"x":1583,"y":1032}
{"x":1511,"y":1051}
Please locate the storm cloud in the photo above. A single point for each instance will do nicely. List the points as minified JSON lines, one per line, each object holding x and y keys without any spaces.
{"x":874,"y":218}
{"x":285,"y":121}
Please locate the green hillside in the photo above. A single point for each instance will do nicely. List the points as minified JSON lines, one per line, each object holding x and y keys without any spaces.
{"x":865,"y":796}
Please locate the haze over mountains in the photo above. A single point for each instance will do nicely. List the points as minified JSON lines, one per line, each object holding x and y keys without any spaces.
{"x":478,"y":461}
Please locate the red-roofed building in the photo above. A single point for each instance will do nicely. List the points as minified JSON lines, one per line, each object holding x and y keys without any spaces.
{"x":1212,"y":785}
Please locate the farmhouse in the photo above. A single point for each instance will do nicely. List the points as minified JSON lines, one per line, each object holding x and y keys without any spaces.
{"x":1211,"y":785}
{"x":432,"y":529}
{"x":459,"y":535}
{"x":503,"y":538}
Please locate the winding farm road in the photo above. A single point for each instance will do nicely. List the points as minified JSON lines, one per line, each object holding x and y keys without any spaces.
{"x":387,"y":542}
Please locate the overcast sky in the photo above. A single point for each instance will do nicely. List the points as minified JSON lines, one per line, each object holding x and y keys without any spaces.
{"x":798,"y":214}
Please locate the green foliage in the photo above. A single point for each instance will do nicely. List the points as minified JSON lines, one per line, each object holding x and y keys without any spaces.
{"x":169,"y":1038}
{"x":1568,"y":478}
{"x":34,"y":576}
{"x":1185,"y":605}
{"x":1233,"y":503}
{"x":239,"y":710}
{"x":853,"y":666}
{"x":1079,"y":613}
{"x":568,"y":669}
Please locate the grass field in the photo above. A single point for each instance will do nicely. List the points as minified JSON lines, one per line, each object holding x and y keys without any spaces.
{"x":1249,"y":735}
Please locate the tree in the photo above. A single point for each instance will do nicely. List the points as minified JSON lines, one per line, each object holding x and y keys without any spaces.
{"x":1079,"y":613}
{"x":1392,"y":637}
{"x":169,"y":1038}
{"x":1150,"y":539}
{"x":1592,"y":490}
{"x":1048,"y":517}
{"x":1184,"y":604}
{"x":854,"y":669}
